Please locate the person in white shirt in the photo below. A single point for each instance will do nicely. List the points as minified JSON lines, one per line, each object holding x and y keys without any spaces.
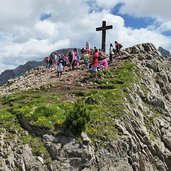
{"x":111,"y":53}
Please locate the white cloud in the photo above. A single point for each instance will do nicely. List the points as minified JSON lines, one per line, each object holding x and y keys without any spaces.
{"x":164,"y":26}
{"x":157,"y":9}
{"x":46,"y":29}
{"x":33,"y":49}
{"x":24,"y":37}
{"x":108,"y":4}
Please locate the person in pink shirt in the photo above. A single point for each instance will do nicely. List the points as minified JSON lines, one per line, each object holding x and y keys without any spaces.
{"x":75,"y":57}
{"x":65,"y":57}
{"x":95,"y":62}
{"x":103,"y":64}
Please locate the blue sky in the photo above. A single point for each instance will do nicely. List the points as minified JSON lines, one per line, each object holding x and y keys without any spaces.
{"x":45,"y":16}
{"x":33,"y":29}
{"x":133,"y":21}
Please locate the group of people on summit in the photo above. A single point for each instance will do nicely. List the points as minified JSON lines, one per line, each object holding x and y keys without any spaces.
{"x":94,"y":59}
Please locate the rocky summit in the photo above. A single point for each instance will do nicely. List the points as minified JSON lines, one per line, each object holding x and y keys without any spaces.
{"x":118,"y":122}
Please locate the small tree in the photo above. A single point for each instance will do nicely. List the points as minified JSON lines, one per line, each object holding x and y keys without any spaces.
{"x":78,"y":118}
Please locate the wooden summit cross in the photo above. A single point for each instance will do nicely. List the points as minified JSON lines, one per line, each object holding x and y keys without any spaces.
{"x":103,"y":29}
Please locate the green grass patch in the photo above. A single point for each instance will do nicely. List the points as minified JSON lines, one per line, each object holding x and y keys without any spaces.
{"x":41,"y":109}
{"x":8,"y":120}
{"x":95,"y":116}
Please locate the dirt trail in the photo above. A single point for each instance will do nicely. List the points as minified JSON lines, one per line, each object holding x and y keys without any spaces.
{"x":70,"y":80}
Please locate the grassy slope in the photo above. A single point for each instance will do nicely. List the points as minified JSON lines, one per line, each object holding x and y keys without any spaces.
{"x":94,"y":112}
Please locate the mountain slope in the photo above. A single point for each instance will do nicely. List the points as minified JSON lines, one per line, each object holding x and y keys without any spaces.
{"x":19,"y":71}
{"x":121,"y":121}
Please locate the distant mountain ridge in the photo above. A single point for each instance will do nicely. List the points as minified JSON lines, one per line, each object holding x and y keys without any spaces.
{"x":19,"y":71}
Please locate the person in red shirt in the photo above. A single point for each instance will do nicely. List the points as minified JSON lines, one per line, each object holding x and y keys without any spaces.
{"x":95,"y":62}
{"x":88,"y":51}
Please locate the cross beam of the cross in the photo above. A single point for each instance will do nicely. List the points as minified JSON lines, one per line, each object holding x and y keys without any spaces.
{"x":103,"y":29}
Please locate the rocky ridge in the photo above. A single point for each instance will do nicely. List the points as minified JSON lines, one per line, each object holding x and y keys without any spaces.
{"x":164,"y":52}
{"x":42,"y":77}
{"x":144,"y":141}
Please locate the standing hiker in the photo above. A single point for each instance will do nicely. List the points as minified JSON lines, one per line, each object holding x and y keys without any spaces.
{"x":111,"y":53}
{"x":71,"y":60}
{"x":65,"y":58}
{"x":88,"y":51}
{"x":60,"y":66}
{"x":46,"y":61}
{"x":86,"y":58}
{"x":118,"y":46}
{"x":95,"y":63}
{"x":76,"y":57}
{"x":50,"y":62}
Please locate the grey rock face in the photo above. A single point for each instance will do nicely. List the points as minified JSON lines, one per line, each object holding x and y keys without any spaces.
{"x":164,"y":52}
{"x":148,"y":48}
{"x":15,"y":155}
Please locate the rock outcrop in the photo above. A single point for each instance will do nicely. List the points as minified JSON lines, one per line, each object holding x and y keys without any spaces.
{"x":164,"y":52}
{"x":144,"y":138}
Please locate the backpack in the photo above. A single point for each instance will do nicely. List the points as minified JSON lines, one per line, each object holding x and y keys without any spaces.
{"x":70,"y":57}
{"x":120,"y":46}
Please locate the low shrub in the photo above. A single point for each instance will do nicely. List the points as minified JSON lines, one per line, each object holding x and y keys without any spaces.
{"x":77,"y":118}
